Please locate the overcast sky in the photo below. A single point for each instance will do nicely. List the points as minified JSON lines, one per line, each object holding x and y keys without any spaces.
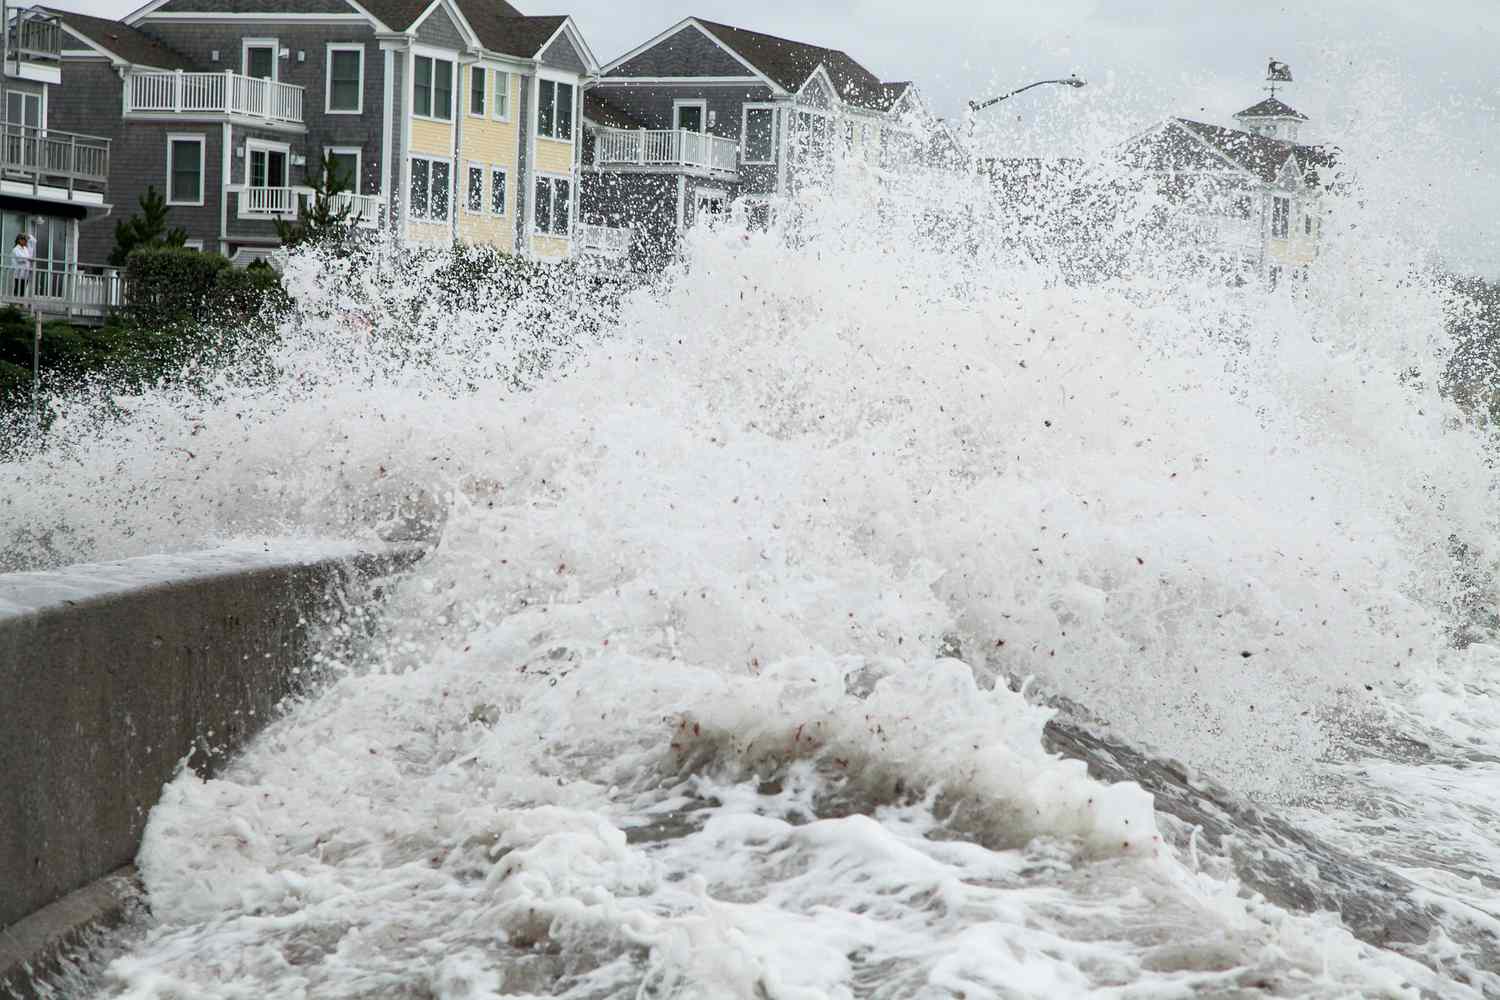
{"x":1417,"y":80}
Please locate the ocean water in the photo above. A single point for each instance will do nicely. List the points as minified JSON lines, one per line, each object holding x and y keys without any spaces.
{"x":862,"y":611}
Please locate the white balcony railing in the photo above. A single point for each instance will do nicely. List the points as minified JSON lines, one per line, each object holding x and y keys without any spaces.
{"x":225,"y":93}
{"x":605,"y":241}
{"x":85,"y":291}
{"x":665,"y":148}
{"x":271,"y":202}
{"x":364,"y":209}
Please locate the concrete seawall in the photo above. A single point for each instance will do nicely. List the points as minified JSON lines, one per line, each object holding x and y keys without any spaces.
{"x":113,"y":674}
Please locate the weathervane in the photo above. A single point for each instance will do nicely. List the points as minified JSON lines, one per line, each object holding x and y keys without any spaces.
{"x":1277,"y":72}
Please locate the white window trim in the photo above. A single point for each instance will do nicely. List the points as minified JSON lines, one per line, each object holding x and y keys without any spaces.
{"x":436,"y":55}
{"x":274,"y":44}
{"x":572,"y":191}
{"x":501,"y":73}
{"x":193,"y":245}
{"x":253,"y":146}
{"x":429,"y":218}
{"x":358,"y":153}
{"x":489,"y":93}
{"x":484,"y":187}
{"x":332,"y":47}
{"x":200,"y":139}
{"x":556,"y":78}
{"x":489,"y":180}
{"x":695,"y":102}
{"x":745,"y":132}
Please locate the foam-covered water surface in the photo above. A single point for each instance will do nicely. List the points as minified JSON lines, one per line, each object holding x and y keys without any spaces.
{"x":711,"y":683}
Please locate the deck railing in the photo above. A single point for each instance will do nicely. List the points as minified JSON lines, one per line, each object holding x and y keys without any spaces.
{"x":83,"y":291}
{"x":673,"y":148}
{"x":52,"y":158}
{"x":364,"y":209}
{"x":270,"y":201}
{"x":213,"y":93}
{"x":33,"y":37}
{"x":606,"y":241}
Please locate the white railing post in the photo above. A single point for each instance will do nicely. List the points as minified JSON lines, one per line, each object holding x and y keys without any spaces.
{"x":228,"y":85}
{"x":177,"y":98}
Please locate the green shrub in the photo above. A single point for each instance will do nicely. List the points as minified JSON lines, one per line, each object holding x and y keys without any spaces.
{"x":170,"y":286}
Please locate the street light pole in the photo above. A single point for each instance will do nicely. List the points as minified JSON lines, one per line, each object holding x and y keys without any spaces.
{"x":975,"y":106}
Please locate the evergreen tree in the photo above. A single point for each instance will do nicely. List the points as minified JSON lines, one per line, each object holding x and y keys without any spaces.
{"x":147,"y":228}
{"x":317,"y":220}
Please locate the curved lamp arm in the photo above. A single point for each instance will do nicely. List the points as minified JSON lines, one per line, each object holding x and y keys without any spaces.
{"x":1071,"y":81}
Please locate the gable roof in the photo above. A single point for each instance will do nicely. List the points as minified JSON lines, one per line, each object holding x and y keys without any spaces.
{"x":1271,"y":108}
{"x":121,"y":41}
{"x":790,"y":64}
{"x":514,"y":36}
{"x":1260,"y":155}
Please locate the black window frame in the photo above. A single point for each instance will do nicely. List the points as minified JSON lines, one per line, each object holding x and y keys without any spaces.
{"x":554,"y":115}
{"x":478,"y":82}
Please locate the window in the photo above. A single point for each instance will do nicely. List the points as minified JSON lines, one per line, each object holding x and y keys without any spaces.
{"x":502,"y":95}
{"x":22,"y":108}
{"x":760,"y":135}
{"x":553,"y":205}
{"x":184,"y":169}
{"x":689,"y":115}
{"x":267,"y":166}
{"x":476,"y":90}
{"x":346,"y":79}
{"x":430,"y":180}
{"x":1281,"y":210}
{"x":475,"y":200}
{"x":432,"y":88}
{"x":1307,"y":223}
{"x":554,"y":119}
{"x":497,"y":191}
{"x":346,"y":164}
{"x":258,"y":58}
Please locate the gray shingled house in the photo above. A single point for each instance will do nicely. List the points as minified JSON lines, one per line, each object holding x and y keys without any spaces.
{"x":1251,"y":195}
{"x":53,"y":183}
{"x":707,"y":113}
{"x":453,"y":119}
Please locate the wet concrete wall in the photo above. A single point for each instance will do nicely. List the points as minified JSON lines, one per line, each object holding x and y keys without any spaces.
{"x":114,"y":674}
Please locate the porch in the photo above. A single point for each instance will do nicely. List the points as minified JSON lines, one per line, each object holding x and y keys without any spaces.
{"x":79,"y":293}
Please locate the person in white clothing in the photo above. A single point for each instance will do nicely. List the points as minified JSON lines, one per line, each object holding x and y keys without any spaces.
{"x":20,"y":265}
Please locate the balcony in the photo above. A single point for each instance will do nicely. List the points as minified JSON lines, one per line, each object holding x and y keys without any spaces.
{"x":200,"y":94}
{"x":657,"y":150}
{"x":81,"y":292}
{"x":364,"y":209}
{"x":266,"y":203}
{"x":33,"y":37}
{"x":603,"y":241}
{"x":54,"y":165}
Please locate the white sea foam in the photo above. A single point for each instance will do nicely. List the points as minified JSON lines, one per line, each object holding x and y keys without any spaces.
{"x":696,"y":694}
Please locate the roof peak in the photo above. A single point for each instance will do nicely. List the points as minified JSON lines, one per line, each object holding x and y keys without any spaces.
{"x":1271,"y":107}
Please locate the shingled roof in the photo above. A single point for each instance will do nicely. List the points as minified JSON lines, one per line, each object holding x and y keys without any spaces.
{"x":1259,"y":154}
{"x":1271,"y":108}
{"x":122,"y":41}
{"x":789,"y":64}
{"x":600,"y":111}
